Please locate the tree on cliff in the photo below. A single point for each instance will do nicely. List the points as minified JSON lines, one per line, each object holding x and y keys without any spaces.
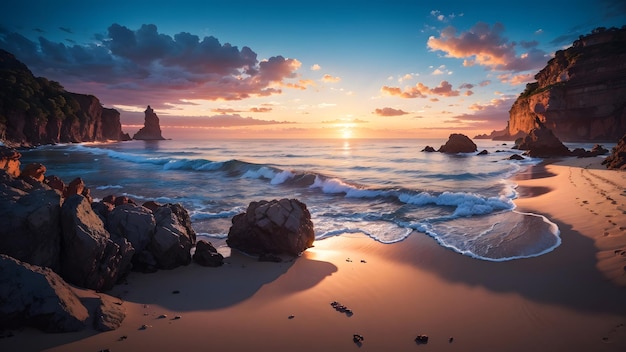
{"x":151,"y":129}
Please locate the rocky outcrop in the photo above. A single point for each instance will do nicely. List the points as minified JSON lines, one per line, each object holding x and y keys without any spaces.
{"x":541,"y":143}
{"x":617,"y":159}
{"x":90,"y":258}
{"x":35,"y":111}
{"x":276,"y":227}
{"x":37,"y":297}
{"x":151,"y":129}
{"x":10,"y":161}
{"x":458,"y":143}
{"x":581,"y":94}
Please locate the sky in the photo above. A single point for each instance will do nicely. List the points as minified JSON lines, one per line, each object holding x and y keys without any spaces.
{"x":291,"y":69}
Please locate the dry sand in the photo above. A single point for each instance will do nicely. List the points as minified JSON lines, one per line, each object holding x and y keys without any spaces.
{"x":571,"y":299}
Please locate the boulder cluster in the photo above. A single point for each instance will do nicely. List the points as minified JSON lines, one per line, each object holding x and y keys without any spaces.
{"x":57,"y":234}
{"x":617,"y":159}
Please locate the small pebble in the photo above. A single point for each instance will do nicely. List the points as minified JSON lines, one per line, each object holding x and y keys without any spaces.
{"x":363,"y":261}
{"x":175,"y":292}
{"x":143,"y":327}
{"x":177,"y":317}
{"x":122,"y":338}
{"x":162,"y":316}
{"x":291,"y":316}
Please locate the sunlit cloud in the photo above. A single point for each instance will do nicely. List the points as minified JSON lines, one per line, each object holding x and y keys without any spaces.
{"x":421,"y":91}
{"x":316,"y":67}
{"x":344,"y":121}
{"x":444,"y":18}
{"x":389,"y":112}
{"x":330,"y":79}
{"x":516,"y":79}
{"x":486,"y":46}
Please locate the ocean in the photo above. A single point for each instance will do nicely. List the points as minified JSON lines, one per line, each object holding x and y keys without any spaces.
{"x":386,"y":189}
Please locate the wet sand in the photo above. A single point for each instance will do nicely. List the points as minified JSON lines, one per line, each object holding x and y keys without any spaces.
{"x":571,"y":299}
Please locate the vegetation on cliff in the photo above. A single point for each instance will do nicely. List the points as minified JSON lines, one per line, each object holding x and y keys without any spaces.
{"x":35,"y":110}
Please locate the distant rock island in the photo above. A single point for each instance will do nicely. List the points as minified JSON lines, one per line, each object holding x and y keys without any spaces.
{"x":36,"y":111}
{"x":151,"y":129}
{"x":580,"y":95}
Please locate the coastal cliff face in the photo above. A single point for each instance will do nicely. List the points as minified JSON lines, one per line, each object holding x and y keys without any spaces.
{"x":34,"y":110}
{"x":581,"y":94}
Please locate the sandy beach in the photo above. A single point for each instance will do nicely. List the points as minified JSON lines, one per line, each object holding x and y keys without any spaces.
{"x":571,"y":299}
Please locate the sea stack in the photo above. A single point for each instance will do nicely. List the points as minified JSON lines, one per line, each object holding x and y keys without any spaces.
{"x":151,"y":129}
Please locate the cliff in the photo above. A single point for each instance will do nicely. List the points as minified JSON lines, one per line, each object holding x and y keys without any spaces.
{"x":35,"y":111}
{"x":581,"y":93}
{"x":151,"y":129}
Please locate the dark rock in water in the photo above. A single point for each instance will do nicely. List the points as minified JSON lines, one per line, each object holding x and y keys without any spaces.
{"x":599,"y":149}
{"x":458,"y":143}
{"x":151,"y":129}
{"x":429,"y":149}
{"x":516,"y":157}
{"x":483,"y":152}
{"x":34,"y":170}
{"x":617,"y":159}
{"x":278,"y":227}
{"x":38,"y":297}
{"x":207,"y":255}
{"x":542,"y":143}
{"x":90,"y":258}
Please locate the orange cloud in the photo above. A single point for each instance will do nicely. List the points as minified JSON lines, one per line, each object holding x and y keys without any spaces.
{"x":486,"y":46}
{"x":330,"y":79}
{"x":516,"y":79}
{"x":421,"y":91}
{"x":389,"y":112}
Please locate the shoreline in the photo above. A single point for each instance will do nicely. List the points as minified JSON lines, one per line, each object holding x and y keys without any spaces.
{"x":571,"y":298}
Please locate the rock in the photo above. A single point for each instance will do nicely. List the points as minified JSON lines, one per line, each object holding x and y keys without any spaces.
{"x":91,"y":259}
{"x":207,"y":255}
{"x":37,"y":297}
{"x":77,"y":186}
{"x":599,"y":149}
{"x":31,"y":226}
{"x":483,"y":152}
{"x":580,"y":93}
{"x":429,"y":149}
{"x":458,"y":143}
{"x":617,"y":159}
{"x":172,"y":241}
{"x":55,"y":183}
{"x":136,"y":224}
{"x":117,"y":201}
{"x":152,"y":205}
{"x":10,"y":161}
{"x":109,"y":314}
{"x":542,"y":143}
{"x":34,"y":170}
{"x":271,"y":258}
{"x":516,"y":157}
{"x":421,"y":339}
{"x":278,"y":227}
{"x":151,"y":129}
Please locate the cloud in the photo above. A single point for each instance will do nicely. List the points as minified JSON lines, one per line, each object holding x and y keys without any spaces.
{"x":421,"y":91}
{"x":143,"y":66}
{"x":443,"y":18}
{"x":494,"y":113}
{"x":516,"y":79}
{"x":342,"y":121}
{"x":330,"y":79}
{"x":316,"y":67}
{"x":466,"y":86}
{"x":486,"y":46}
{"x":389,"y":112}
{"x":484,"y":83}
{"x":261,"y":109}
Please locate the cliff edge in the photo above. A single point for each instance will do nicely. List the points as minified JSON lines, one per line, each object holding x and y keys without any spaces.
{"x":581,"y":93}
{"x":35,"y":111}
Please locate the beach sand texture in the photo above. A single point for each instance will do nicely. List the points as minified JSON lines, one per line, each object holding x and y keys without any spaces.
{"x":571,"y":299}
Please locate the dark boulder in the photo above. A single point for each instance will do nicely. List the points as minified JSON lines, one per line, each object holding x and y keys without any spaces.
{"x":278,"y":227}
{"x":458,"y":143}
{"x":151,"y":129}
{"x":38,"y":297}
{"x":542,"y":143}
{"x":172,"y":241}
{"x":207,"y":255}
{"x":136,"y":224}
{"x":483,"y":152}
{"x":429,"y":149}
{"x":30,"y":217}
{"x":90,"y":258}
{"x":516,"y":157}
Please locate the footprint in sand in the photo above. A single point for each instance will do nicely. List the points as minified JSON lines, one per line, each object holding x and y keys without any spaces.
{"x":616,"y":335}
